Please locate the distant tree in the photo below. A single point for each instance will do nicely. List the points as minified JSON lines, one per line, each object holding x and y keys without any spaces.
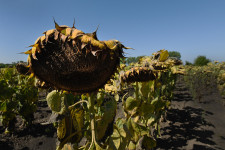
{"x":13,"y":64}
{"x":201,"y":61}
{"x":188,"y":63}
{"x":133,"y":59}
{"x":2,"y":65}
{"x":174,"y":54}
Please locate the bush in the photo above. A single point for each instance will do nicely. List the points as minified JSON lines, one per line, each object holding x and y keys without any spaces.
{"x":188,"y":63}
{"x":201,"y":61}
{"x":174,"y":54}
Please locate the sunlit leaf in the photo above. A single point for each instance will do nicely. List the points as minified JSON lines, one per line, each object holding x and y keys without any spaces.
{"x":163,"y":55}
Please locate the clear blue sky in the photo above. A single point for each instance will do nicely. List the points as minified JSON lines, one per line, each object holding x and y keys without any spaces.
{"x":191,"y":27}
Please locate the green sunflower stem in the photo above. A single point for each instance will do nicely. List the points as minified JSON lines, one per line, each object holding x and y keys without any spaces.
{"x":91,"y":103}
{"x":136,"y":90}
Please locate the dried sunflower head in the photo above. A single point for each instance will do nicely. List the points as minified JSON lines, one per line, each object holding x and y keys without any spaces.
{"x":69,"y":59}
{"x":138,"y":74}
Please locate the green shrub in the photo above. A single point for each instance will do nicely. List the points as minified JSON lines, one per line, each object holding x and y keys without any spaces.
{"x":201,"y":61}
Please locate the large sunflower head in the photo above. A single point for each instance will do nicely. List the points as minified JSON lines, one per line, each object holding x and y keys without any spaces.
{"x":69,"y":59}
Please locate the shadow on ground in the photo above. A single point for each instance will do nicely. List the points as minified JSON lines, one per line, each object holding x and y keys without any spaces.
{"x":185,"y":126}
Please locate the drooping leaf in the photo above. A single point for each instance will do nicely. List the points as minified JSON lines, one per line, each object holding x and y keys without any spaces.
{"x":61,"y":129}
{"x":107,"y":118}
{"x":77,"y":116}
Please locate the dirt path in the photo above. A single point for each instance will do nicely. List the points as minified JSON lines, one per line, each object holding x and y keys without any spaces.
{"x":193,"y":125}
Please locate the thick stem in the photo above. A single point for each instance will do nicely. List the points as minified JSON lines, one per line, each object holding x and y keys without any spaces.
{"x":136,"y":91}
{"x":91,"y":110}
{"x":92,"y":117}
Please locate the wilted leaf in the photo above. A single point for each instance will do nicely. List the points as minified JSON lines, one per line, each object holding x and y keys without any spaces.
{"x":61,"y":129}
{"x":107,"y":118}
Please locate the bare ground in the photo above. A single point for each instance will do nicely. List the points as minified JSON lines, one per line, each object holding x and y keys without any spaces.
{"x":192,"y":124}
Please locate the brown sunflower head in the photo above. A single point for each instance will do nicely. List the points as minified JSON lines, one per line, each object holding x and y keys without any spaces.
{"x":69,"y":59}
{"x":138,"y":74}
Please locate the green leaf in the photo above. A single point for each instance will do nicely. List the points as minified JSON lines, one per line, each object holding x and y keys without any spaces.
{"x":131,"y":103}
{"x":139,"y":129}
{"x":121,"y":136}
{"x":100,"y":98}
{"x":115,"y":140}
{"x":70,"y":99}
{"x":109,"y":113}
{"x":146,"y":109}
{"x":3,"y":106}
{"x":148,"y":142}
{"x":131,"y":146}
{"x":163,"y":55}
{"x":159,"y":104}
{"x":144,"y":89}
{"x":151,"y":119}
{"x":98,"y":147}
